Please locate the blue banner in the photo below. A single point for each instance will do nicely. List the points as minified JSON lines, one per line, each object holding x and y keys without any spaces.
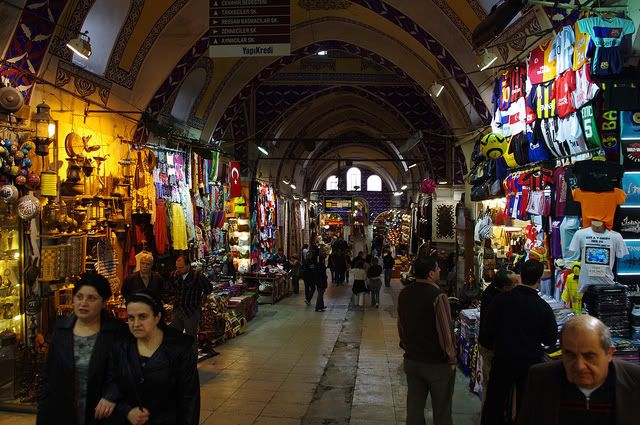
{"x":631,"y":186}
{"x":630,"y":125}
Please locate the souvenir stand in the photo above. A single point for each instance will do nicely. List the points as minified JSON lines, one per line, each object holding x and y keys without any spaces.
{"x":556,"y":160}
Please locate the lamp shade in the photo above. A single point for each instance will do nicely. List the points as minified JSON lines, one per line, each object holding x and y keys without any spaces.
{"x":49,"y":184}
{"x":81,"y":45}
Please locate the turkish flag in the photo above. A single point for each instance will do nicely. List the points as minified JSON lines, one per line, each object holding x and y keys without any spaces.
{"x":235,"y":181}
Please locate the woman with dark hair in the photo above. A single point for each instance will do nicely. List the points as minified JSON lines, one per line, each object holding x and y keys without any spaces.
{"x":374,"y":281}
{"x":155,"y":369}
{"x":359,"y":288}
{"x":75,"y":389}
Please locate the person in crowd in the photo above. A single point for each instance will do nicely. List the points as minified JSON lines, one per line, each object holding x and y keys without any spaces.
{"x":75,"y":387}
{"x":155,"y":369}
{"x":332,"y":267}
{"x":340,"y":266}
{"x":367,"y":262}
{"x":588,"y":386}
{"x":143,"y":279}
{"x":348,"y":259}
{"x":388,"y":262}
{"x":310,"y":276}
{"x":321,"y":283}
{"x":296,"y":270}
{"x":190,"y":285}
{"x":359,"y":279}
{"x":517,"y":324}
{"x":229,"y":268}
{"x":305,"y":250}
{"x":426,"y":335}
{"x":503,"y":281}
{"x":374,"y":281}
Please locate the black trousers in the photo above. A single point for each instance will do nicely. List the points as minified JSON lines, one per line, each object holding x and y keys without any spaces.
{"x":505,"y":377}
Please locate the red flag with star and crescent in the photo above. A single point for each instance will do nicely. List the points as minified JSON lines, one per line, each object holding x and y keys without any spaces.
{"x":235,"y":182}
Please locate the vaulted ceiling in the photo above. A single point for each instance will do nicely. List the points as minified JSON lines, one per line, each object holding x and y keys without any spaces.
{"x":374,"y":82}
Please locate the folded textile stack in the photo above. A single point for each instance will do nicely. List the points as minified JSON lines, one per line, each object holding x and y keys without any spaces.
{"x":610,"y":304}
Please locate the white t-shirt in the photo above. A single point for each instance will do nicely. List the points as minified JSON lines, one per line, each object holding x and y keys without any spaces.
{"x":598,"y":252}
{"x":562,"y":50}
{"x":585,"y":88}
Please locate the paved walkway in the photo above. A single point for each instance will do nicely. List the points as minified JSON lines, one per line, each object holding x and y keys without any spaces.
{"x":297,"y":366}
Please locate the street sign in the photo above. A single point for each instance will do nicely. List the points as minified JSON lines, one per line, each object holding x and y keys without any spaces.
{"x":249,"y":28}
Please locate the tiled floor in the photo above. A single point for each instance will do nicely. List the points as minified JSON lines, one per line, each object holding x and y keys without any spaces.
{"x":296,"y":366}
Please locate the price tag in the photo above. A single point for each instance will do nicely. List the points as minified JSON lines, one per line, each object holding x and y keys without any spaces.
{"x":597,"y":271}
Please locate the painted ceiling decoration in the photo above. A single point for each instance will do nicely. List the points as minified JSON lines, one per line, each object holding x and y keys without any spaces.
{"x":29,"y":44}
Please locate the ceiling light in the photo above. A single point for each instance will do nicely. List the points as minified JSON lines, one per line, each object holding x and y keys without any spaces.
{"x":304,"y":199}
{"x":397,"y":193}
{"x":443,"y":182}
{"x":293,"y":186}
{"x":413,"y":165}
{"x":263,"y":149}
{"x":487,"y":59}
{"x":404,"y":187}
{"x":322,"y":53}
{"x":81,"y":45}
{"x":285,"y":180}
{"x":436,"y":89}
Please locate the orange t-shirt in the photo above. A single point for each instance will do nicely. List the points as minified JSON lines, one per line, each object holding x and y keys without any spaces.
{"x":599,"y":206}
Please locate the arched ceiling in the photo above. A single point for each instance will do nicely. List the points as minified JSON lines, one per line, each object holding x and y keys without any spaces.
{"x":383,"y":57}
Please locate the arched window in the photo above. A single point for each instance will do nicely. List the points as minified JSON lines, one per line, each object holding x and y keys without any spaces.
{"x":189,"y":91}
{"x":332,"y":183}
{"x":104,"y":22}
{"x":353,"y":179}
{"x":374,"y":183}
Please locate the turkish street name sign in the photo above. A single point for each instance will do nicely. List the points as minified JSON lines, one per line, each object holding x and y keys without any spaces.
{"x":240,"y":28}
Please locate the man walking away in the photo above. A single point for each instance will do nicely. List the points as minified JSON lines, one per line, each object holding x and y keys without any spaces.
{"x":388,"y":262}
{"x":518,"y":324}
{"x":321,"y":283}
{"x":190,"y":285}
{"x":426,"y":335}
{"x":588,"y":387}
{"x":310,"y":276}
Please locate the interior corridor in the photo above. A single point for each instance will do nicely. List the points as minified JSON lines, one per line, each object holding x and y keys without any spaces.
{"x":298,"y":366}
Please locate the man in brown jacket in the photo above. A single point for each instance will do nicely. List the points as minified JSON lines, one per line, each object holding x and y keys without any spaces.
{"x":587,"y":386}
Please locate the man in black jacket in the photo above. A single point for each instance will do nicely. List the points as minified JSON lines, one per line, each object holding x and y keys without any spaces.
{"x":190,"y":286}
{"x":587,"y":387}
{"x":144,"y":279}
{"x":388,"y":262}
{"x":518,"y":324}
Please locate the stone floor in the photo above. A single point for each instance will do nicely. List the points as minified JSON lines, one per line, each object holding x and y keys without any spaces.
{"x":297,"y":366}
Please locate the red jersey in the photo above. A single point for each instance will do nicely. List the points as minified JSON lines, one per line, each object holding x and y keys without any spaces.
{"x":517,"y":81}
{"x":563,"y":89}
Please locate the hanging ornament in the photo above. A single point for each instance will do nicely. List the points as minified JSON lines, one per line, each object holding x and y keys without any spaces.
{"x":26,"y":163}
{"x":9,"y":193}
{"x":21,"y":180}
{"x":28,"y":207}
{"x":33,"y":180}
{"x":428,"y":186}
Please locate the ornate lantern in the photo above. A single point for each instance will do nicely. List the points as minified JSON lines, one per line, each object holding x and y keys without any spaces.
{"x":45,"y":128}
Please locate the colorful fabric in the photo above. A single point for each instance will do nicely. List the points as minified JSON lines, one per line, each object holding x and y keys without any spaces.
{"x":540,"y":68}
{"x":562,"y":50}
{"x":563,"y":89}
{"x":178,"y":228}
{"x":600,"y":206}
{"x":606,"y":35}
{"x":580,"y":47}
{"x":543,"y":101}
{"x":585,"y":89}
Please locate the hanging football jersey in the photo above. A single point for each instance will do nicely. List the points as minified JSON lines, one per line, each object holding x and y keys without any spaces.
{"x":610,"y":135}
{"x":540,"y":69}
{"x":517,"y":82}
{"x":606,"y":35}
{"x":590,"y":126}
{"x":570,"y":135}
{"x":541,"y":97}
{"x":537,"y":149}
{"x":517,"y":116}
{"x":580,"y":47}
{"x":562,"y":50}
{"x":563,"y":88}
{"x":585,"y":89}
{"x":504,"y":99}
{"x":545,"y":131}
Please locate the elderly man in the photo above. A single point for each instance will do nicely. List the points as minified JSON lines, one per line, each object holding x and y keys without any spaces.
{"x":190,"y":285}
{"x":143,"y":279}
{"x":587,"y":386}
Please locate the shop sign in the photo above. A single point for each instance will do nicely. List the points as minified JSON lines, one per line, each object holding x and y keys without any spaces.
{"x":631,"y":186}
{"x":235,"y":181}
{"x":338,"y":204}
{"x":241,"y":28}
{"x":630,"y":125}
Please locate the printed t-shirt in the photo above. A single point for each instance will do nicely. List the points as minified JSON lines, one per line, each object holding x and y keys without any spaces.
{"x":570,"y":136}
{"x":584,"y":88}
{"x":540,"y":69}
{"x":543,"y":100}
{"x":563,"y":88}
{"x":545,"y":131}
{"x":537,"y":149}
{"x":560,"y":192}
{"x":580,"y":47}
{"x":504,"y":99}
{"x":606,"y":35}
{"x":517,"y":116}
{"x":562,"y":50}
{"x":600,"y":206}
{"x":598,"y":252}
{"x":598,"y":176}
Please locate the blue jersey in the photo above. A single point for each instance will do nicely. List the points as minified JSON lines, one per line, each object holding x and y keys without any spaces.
{"x":606,"y":35}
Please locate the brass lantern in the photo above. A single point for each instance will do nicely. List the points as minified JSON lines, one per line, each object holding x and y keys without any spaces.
{"x":45,"y":128}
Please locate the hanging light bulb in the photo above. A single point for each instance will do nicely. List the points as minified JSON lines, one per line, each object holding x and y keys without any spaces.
{"x":486,"y":60}
{"x":436,"y":89}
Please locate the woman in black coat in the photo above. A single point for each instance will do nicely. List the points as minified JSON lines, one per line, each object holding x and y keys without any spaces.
{"x":310,"y":276}
{"x":76,"y":389}
{"x":155,"y":369}
{"x":321,"y":283}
